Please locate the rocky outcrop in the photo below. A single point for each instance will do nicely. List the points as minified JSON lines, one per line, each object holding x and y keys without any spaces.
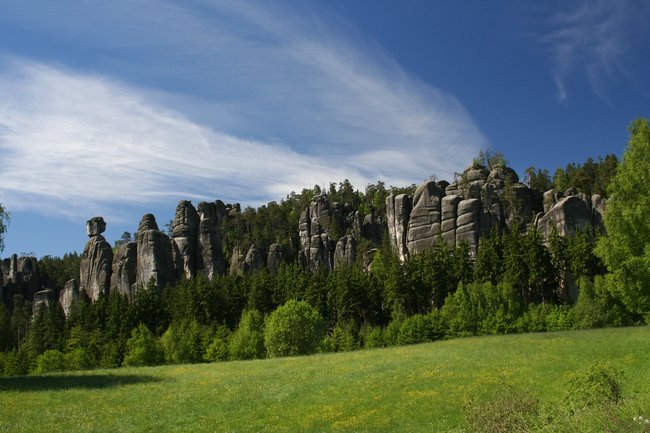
{"x":41,"y":299}
{"x":96,"y":261}
{"x":210,"y":259}
{"x":567,"y":216}
{"x":19,"y":277}
{"x":125,"y":268}
{"x":467,"y":223}
{"x":185,"y":230}
{"x":598,"y":206}
{"x":345,"y":252}
{"x":449,"y":207}
{"x":314,"y":224}
{"x":69,"y":297}
{"x":423,"y":227}
{"x":236,"y":262}
{"x":368,"y":259}
{"x":154,"y":255}
{"x":398,"y":211}
{"x":274,"y":258}
{"x":254,"y":260}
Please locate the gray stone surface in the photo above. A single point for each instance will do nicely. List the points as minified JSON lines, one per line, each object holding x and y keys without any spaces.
{"x":154,"y":252}
{"x":345,"y":252}
{"x":96,"y":267}
{"x":398,"y":211}
{"x":41,"y":299}
{"x":69,"y":297}
{"x":185,"y":230}
{"x":467,"y":223}
{"x":209,"y":258}
{"x":274,"y":258}
{"x":95,"y":226}
{"x":568,"y":215}
{"x":424,"y":221}
{"x":254,"y":260}
{"x":125,"y":266}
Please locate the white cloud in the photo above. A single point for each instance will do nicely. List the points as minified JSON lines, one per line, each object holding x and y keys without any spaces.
{"x":235,"y":101}
{"x":594,"y":40}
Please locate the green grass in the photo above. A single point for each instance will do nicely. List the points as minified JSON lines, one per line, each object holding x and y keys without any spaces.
{"x":419,"y":388}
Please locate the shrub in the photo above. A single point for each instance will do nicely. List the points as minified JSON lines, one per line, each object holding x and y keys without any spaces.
{"x":374,"y":338}
{"x":421,"y":329}
{"x":247,"y":342}
{"x":345,"y":337}
{"x":559,"y":318}
{"x":217,"y":350}
{"x":295,"y":328}
{"x":597,"y":384}
{"x":142,"y":348}
{"x":184,"y":342}
{"x":78,"y":359}
{"x":49,"y":361}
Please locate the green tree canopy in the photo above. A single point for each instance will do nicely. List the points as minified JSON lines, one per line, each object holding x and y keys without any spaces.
{"x":626,"y":248}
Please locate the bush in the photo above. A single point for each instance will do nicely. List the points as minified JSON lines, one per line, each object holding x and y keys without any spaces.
{"x":184,"y":342}
{"x":374,"y":338}
{"x":597,"y":384}
{"x":217,"y":350}
{"x":142,"y":348}
{"x":49,"y":361}
{"x":559,"y":318}
{"x":421,"y":329}
{"x":78,"y":359}
{"x":295,"y":328}
{"x":247,"y":342}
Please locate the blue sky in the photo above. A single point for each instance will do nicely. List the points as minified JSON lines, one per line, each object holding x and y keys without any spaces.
{"x":123,"y":108}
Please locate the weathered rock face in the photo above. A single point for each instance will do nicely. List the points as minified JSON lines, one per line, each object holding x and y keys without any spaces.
{"x":449,"y":206}
{"x":345,"y":252}
{"x":154,"y":252}
{"x":424,"y":221}
{"x":42,"y":299}
{"x":274,"y":258}
{"x":96,"y":262}
{"x":236,"y":262}
{"x":69,"y":297}
{"x":368,"y":259}
{"x":254,"y":260}
{"x":210,"y":259}
{"x":598,"y":206}
{"x":19,"y":276}
{"x":371,"y":230}
{"x":185,"y":229}
{"x":398,"y":211}
{"x":125,"y":267}
{"x":95,"y":226}
{"x":314,"y":224}
{"x":567,"y":216}
{"x":467,"y":223}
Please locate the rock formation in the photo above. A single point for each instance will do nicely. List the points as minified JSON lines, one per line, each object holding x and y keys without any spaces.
{"x":96,"y":261}
{"x":154,"y":255}
{"x":567,"y":216}
{"x":236,"y":262}
{"x":19,"y":277}
{"x":42,"y":299}
{"x":185,"y":230}
{"x":424,"y":222}
{"x":69,"y":297}
{"x":314,"y":224}
{"x":398,"y":211}
{"x":210,"y":259}
{"x":254,"y":260}
{"x":274,"y":258}
{"x":125,"y":268}
{"x":345,"y":252}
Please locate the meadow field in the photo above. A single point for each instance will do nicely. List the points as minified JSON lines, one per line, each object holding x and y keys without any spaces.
{"x":432,"y":387}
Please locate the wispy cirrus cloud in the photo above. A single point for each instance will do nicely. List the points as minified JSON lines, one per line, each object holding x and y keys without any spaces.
{"x":595,"y":40}
{"x":240,"y":101}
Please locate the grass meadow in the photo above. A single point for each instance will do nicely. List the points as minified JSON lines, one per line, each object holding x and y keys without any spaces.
{"x":421,"y":388}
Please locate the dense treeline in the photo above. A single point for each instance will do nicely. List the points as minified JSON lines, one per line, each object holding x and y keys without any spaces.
{"x":516,"y":283}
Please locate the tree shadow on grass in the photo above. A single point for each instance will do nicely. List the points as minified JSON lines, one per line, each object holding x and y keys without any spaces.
{"x":63,"y":382}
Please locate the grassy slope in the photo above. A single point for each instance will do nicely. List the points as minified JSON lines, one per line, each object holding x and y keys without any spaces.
{"x":412,"y":388}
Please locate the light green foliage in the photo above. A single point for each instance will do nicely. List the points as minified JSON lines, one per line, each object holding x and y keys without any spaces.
{"x":421,"y":328}
{"x":184,"y":342}
{"x":293,"y":329}
{"x":374,"y":338}
{"x":78,"y":359}
{"x":142,"y":348}
{"x":597,"y":384}
{"x":217,"y":349}
{"x":626,"y":248}
{"x":49,"y":361}
{"x":344,"y":338}
{"x":247,"y":342}
{"x":506,"y":410}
